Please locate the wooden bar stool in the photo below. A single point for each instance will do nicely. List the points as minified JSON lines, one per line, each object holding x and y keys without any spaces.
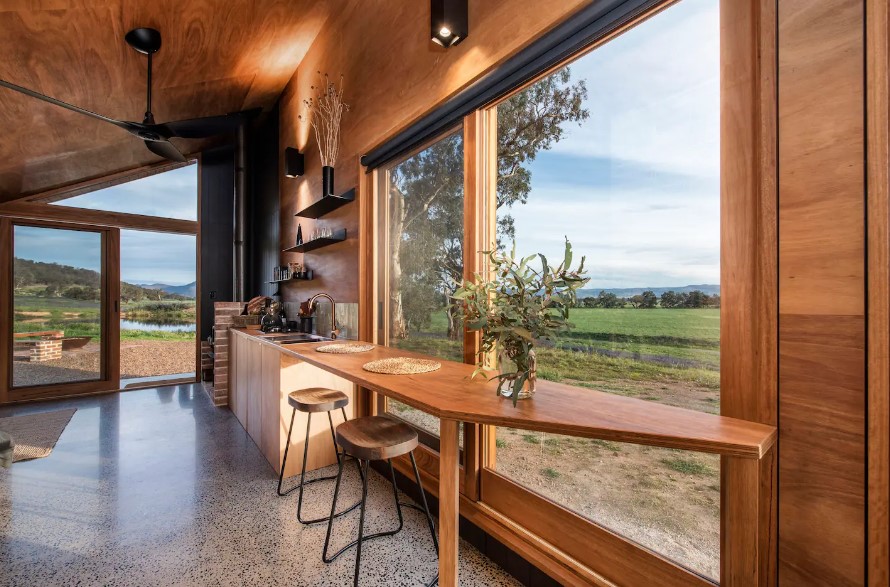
{"x":376,"y":438}
{"x":311,"y":401}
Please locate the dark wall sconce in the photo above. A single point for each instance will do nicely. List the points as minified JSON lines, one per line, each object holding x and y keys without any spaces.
{"x":293,"y":162}
{"x":448,"y":21}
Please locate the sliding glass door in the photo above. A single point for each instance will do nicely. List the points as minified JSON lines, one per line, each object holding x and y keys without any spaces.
{"x":62,"y":297}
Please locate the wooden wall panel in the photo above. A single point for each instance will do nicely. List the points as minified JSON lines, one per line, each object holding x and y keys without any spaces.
{"x":749,"y":255}
{"x":387,"y":89}
{"x":878,"y":156}
{"x":821,"y":293}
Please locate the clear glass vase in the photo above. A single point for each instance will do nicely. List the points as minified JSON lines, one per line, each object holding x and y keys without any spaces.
{"x":508,"y":365}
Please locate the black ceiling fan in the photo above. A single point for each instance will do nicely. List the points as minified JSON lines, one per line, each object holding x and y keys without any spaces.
{"x":156,"y":136}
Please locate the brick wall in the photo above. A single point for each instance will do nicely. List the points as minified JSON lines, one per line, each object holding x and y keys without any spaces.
{"x":45,"y":350}
{"x":223,"y":317}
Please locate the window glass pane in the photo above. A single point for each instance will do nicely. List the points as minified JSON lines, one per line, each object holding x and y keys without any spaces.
{"x":619,"y":152}
{"x":158,"y":318}
{"x":424,"y":256}
{"x":172,"y":194}
{"x":57,"y":306}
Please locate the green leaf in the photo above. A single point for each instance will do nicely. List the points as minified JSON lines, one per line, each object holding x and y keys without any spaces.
{"x":568,"y":256}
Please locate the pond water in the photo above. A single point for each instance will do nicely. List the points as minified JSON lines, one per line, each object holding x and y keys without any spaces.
{"x":151,"y":326}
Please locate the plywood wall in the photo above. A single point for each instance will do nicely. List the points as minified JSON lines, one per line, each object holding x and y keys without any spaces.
{"x":393,"y":75}
{"x":822,"y":314}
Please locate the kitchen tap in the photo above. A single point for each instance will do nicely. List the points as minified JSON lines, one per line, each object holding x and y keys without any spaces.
{"x":334,"y":330}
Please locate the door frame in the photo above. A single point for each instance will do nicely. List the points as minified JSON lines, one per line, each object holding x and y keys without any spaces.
{"x":110,"y":312}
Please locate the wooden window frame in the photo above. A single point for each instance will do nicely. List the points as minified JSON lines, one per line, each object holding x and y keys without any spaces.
{"x":427,"y":453}
{"x":37,"y":211}
{"x":572,"y":549}
{"x":748,"y":241}
{"x":109,"y":373}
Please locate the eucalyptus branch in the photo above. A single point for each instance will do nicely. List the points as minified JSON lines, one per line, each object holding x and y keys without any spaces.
{"x":518,"y":306}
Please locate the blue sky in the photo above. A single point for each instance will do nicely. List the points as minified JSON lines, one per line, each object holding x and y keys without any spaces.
{"x":65,"y":247}
{"x":637,"y":187}
{"x":146,"y":257}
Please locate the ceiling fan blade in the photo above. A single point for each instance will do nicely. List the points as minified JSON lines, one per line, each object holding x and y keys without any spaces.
{"x":128,"y":126}
{"x":166,"y":150}
{"x":200,"y":128}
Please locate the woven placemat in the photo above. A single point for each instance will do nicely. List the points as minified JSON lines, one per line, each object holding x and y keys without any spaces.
{"x":343,"y":348}
{"x":401,"y":366}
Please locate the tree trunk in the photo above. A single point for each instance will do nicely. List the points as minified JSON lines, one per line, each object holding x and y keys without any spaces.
{"x":398,"y":329}
{"x":455,"y":324}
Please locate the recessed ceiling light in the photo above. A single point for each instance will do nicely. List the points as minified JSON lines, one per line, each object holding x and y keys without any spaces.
{"x":448,"y":21}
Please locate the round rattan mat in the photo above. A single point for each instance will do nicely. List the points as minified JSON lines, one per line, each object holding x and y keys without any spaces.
{"x":401,"y":366}
{"x":342,"y":348}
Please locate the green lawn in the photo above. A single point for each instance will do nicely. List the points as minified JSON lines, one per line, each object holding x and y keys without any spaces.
{"x":81,"y":318}
{"x":654,"y":345}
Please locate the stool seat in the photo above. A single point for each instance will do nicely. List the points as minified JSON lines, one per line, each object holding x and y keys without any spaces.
{"x":376,"y":438}
{"x":317,"y":399}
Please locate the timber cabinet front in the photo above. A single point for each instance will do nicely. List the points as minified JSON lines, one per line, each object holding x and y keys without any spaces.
{"x":261,"y":377}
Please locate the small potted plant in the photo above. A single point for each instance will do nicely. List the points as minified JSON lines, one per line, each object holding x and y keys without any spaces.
{"x":515,"y":307}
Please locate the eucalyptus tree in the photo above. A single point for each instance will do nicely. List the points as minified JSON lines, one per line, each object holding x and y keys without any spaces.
{"x":426,"y":199}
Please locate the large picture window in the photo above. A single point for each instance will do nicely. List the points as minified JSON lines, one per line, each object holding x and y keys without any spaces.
{"x":422,"y":202}
{"x":619,"y":152}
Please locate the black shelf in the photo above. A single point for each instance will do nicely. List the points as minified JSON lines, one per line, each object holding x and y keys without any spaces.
{"x":326,"y":204}
{"x":337,"y":237}
{"x":290,"y":279}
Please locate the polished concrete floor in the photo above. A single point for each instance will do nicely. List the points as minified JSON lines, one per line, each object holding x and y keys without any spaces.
{"x":158,"y":487}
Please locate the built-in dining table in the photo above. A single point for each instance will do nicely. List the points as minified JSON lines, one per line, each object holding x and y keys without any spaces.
{"x":453,"y":396}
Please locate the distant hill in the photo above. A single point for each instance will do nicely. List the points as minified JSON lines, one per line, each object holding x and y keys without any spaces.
{"x":627,"y":292}
{"x":53,"y":279}
{"x":188,"y":290}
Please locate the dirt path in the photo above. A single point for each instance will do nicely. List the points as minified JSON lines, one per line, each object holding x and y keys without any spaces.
{"x":139,"y":358}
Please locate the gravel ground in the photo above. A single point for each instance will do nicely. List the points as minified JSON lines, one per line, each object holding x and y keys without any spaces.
{"x":138,"y":359}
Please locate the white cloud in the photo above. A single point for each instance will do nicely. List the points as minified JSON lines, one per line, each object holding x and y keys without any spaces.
{"x":629,"y":237}
{"x":654,"y":93}
{"x":173,"y":194}
{"x":654,"y":102}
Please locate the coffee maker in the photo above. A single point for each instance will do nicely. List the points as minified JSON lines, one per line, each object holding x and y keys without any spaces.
{"x":274,"y":319}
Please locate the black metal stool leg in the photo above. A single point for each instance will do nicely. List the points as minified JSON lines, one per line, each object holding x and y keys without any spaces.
{"x":334,"y":437}
{"x":426,"y":510}
{"x":284,"y":460}
{"x":327,"y":539}
{"x":361,"y":524}
{"x":395,"y":493}
{"x":303,"y":475}
{"x":357,"y":464}
{"x":303,"y":469}
{"x":364,"y":471}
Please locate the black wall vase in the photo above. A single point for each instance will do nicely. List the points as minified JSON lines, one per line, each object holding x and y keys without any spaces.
{"x":327,"y":181}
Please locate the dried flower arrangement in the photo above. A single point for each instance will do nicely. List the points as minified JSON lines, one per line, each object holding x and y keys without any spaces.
{"x":325,"y":111}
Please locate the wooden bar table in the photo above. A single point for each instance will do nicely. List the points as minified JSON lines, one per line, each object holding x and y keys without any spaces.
{"x":453,"y":397}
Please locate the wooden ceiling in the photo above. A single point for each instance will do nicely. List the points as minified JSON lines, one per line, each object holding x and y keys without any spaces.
{"x":218,"y":56}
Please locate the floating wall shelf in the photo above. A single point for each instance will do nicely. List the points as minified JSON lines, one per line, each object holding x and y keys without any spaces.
{"x":290,"y":279}
{"x":338,"y":236}
{"x":326,"y":204}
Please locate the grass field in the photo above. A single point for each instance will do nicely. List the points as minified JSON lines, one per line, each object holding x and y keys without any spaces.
{"x":81,"y":318}
{"x":627,"y":344}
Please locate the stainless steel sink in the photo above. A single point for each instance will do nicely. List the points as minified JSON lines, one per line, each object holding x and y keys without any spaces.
{"x":298,"y":338}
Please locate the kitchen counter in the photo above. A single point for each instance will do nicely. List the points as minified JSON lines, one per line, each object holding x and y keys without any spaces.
{"x":261,"y":374}
{"x":453,"y":396}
